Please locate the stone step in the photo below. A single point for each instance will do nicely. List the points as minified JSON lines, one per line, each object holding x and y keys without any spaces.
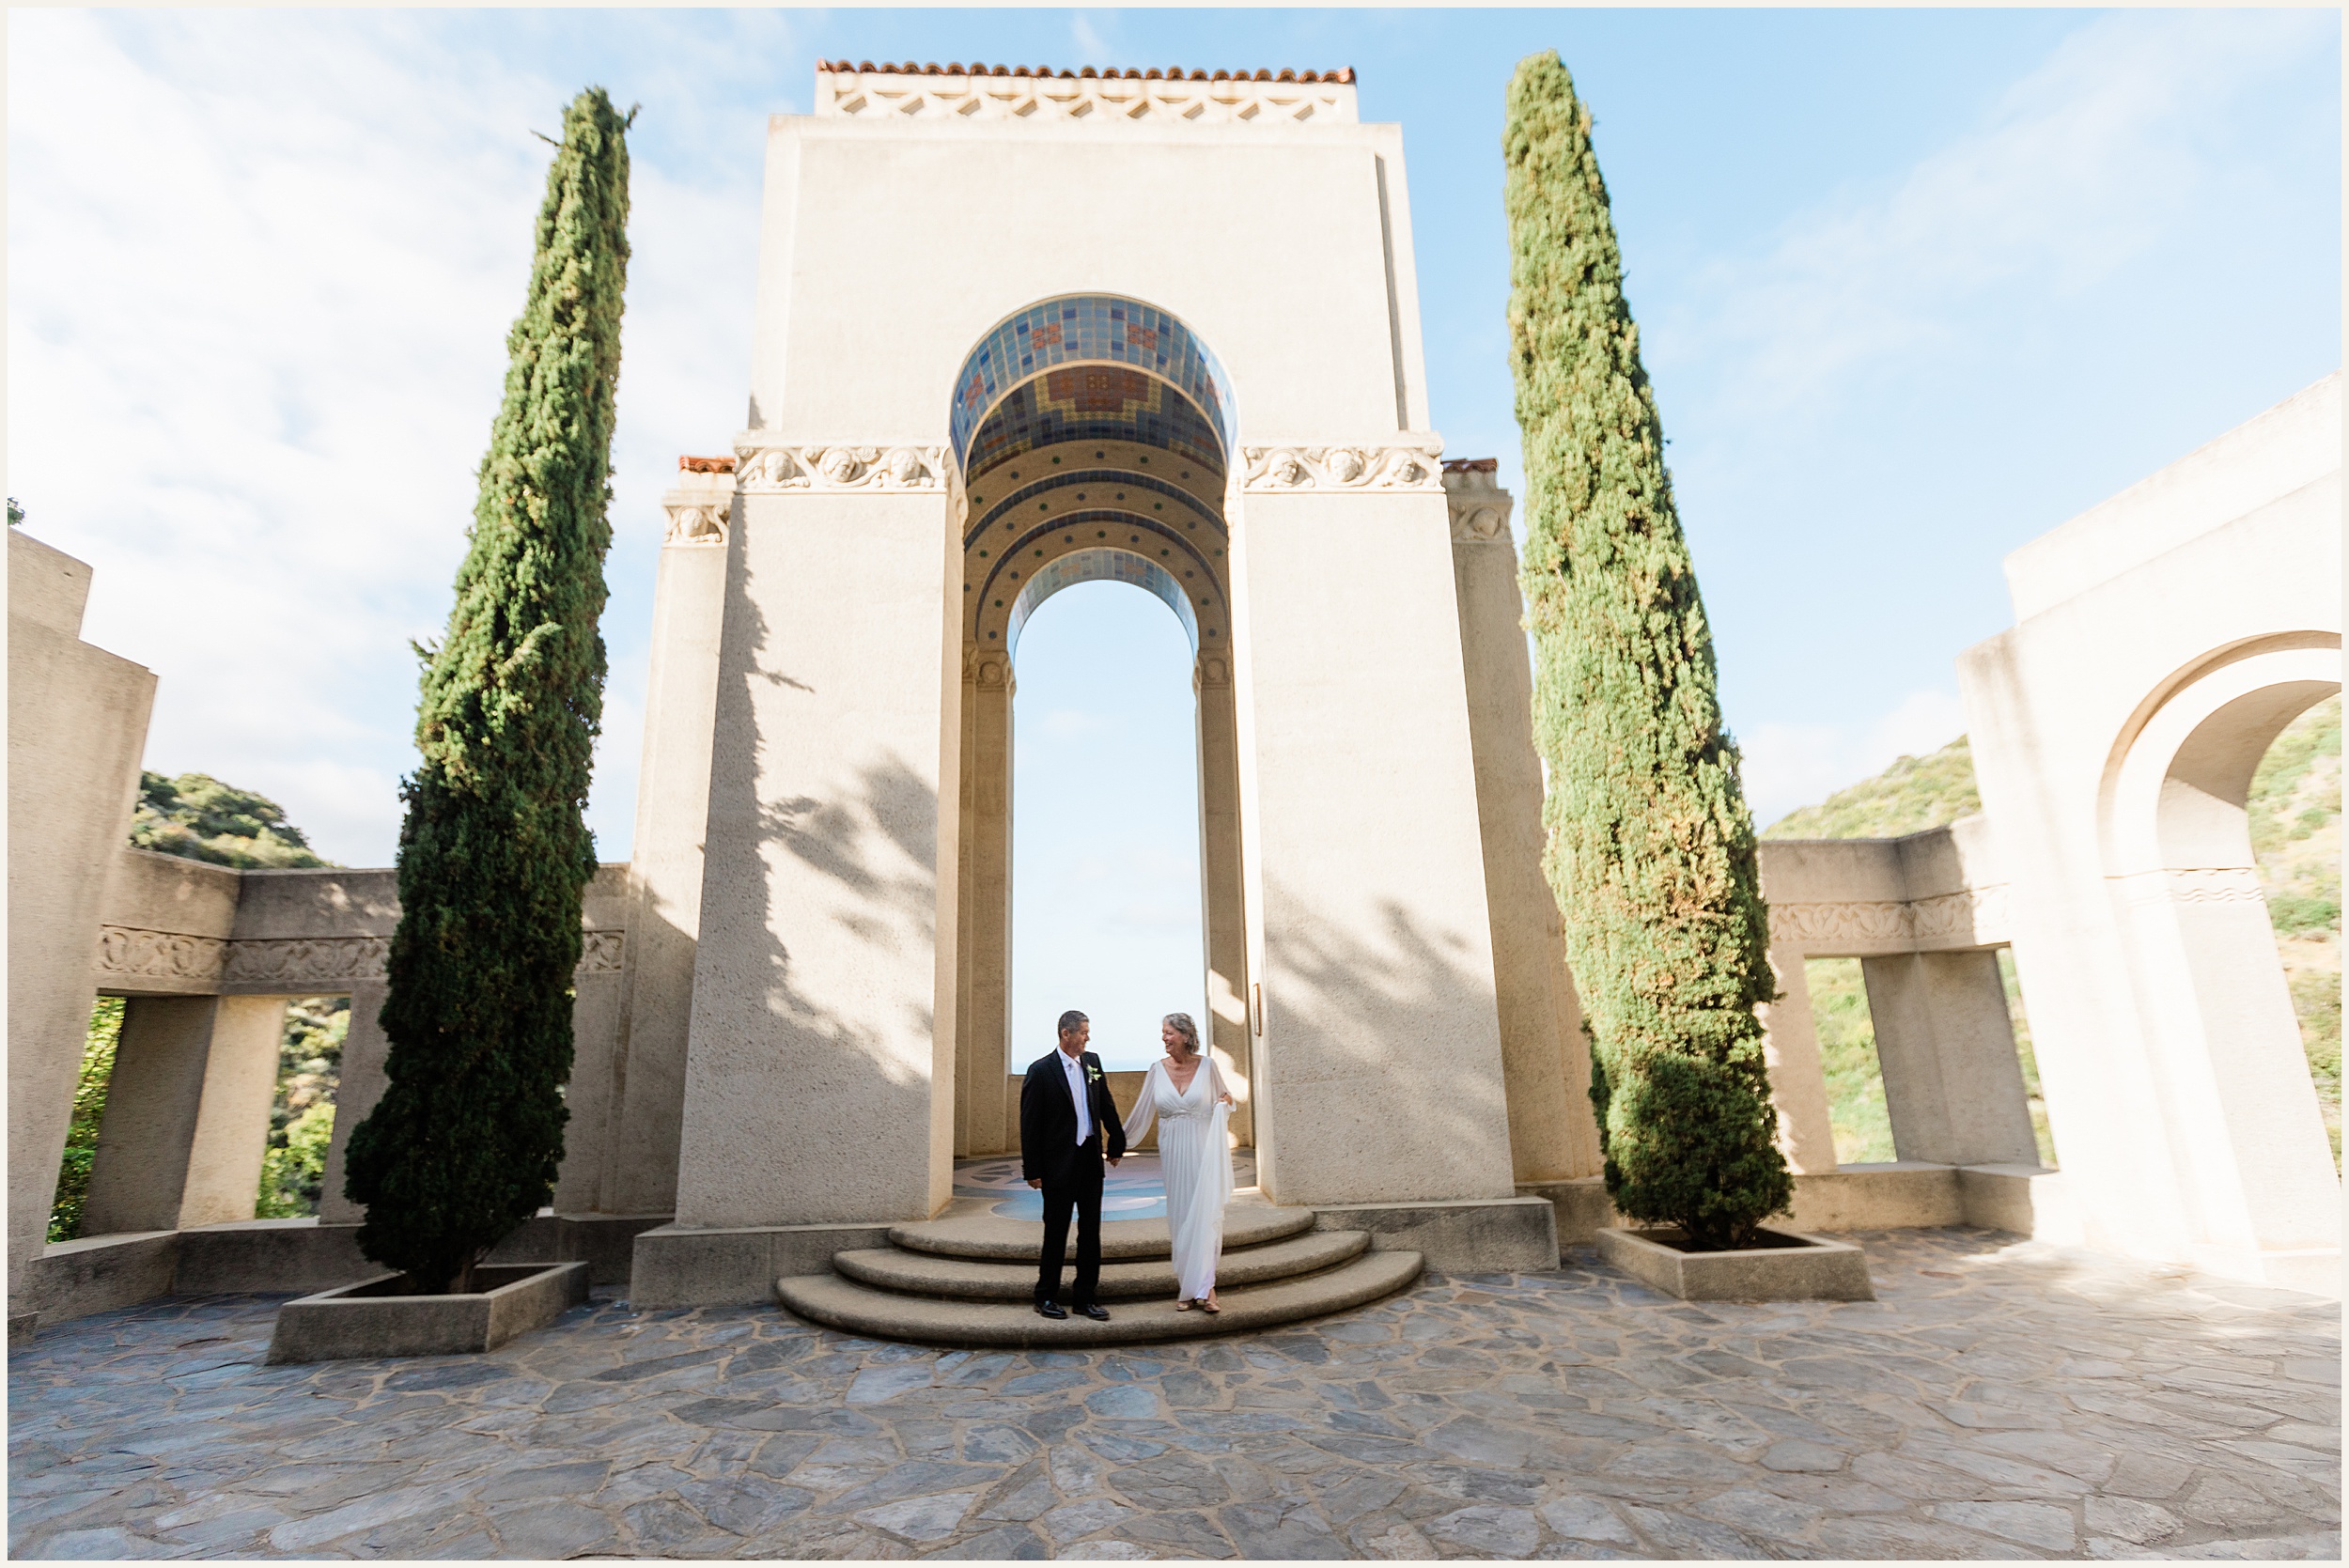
{"x":893,"y":1268}
{"x":858,"y":1309}
{"x":993,"y":1240}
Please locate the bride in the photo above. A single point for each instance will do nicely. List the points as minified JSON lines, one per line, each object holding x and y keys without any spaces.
{"x":1186,"y":1095}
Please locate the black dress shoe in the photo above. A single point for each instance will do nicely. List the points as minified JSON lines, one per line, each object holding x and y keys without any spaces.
{"x":1094,"y":1311}
{"x":1051,"y":1308}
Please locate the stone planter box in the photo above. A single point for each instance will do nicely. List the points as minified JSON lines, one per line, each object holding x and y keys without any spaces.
{"x":1802,"y":1268}
{"x":373,"y":1318}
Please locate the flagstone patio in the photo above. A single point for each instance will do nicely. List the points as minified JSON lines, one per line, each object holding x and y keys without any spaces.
{"x":2002,"y":1400}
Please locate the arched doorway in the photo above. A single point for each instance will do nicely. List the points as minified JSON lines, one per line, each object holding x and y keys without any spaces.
{"x":1091,"y":440}
{"x":2248,"y":1140}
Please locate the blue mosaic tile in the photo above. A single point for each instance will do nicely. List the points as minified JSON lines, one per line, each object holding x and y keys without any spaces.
{"x":1101,"y":332}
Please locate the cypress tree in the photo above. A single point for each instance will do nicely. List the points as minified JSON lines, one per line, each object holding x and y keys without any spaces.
{"x":1650,"y":844}
{"x":493,"y":854}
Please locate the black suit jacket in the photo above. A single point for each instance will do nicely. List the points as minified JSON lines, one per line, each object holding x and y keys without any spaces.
{"x":1047,"y":1117}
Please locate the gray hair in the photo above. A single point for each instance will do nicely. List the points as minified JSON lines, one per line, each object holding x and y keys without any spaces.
{"x":1072,"y":1020}
{"x":1180,"y":1023}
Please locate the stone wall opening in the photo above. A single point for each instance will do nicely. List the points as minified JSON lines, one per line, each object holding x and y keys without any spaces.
{"x":1106,"y":898}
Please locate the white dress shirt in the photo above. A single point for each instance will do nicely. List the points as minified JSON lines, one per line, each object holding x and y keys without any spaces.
{"x":1075,"y":1072}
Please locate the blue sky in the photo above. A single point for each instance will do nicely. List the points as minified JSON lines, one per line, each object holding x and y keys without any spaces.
{"x":1914,"y":286}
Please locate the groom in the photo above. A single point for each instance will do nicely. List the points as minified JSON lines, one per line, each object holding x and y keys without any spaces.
{"x":1066,"y":1117}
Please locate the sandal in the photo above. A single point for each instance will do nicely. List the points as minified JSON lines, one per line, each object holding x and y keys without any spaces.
{"x":1208,"y":1307}
{"x":1183,"y":1306}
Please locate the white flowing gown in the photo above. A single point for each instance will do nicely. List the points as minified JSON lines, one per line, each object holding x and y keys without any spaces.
{"x":1195,"y":1157}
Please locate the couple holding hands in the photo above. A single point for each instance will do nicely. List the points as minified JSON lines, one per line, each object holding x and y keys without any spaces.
{"x":1068,"y":1126}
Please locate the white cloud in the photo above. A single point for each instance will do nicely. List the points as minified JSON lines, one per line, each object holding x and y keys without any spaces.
{"x":262,"y":267}
{"x":2084,"y":163}
{"x":1790,"y":766}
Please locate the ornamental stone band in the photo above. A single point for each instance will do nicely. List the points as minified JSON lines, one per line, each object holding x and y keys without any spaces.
{"x":139,"y":955}
{"x":1410,"y":464}
{"x":780,"y":469}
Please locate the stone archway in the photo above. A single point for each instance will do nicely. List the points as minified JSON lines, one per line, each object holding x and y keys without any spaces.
{"x":2247,"y":1139}
{"x":1090,"y":440}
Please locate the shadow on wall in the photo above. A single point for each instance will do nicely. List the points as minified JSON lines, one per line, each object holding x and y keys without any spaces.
{"x":801,"y":1075}
{"x":1381,"y":1077}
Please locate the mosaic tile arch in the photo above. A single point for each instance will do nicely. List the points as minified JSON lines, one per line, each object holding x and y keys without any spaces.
{"x":999,"y":586}
{"x":1118,"y":485}
{"x":1100,"y":564}
{"x":1102,"y":330}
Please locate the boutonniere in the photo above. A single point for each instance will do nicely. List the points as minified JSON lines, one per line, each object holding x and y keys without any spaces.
{"x":1092,"y":1073}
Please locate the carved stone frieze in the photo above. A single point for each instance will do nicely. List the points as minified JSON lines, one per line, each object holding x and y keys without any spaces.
{"x":133,"y":954}
{"x":303,"y":961}
{"x":1129,"y":98}
{"x":1413,"y":465}
{"x":2220,"y":884}
{"x":299,"y":965}
{"x":768,"y":470}
{"x":1973,"y":917}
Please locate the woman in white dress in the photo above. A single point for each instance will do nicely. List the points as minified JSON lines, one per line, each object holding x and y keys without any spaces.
{"x":1188,"y":1097}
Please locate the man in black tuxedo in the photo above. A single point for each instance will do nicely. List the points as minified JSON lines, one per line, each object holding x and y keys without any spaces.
{"x":1066,"y":1119}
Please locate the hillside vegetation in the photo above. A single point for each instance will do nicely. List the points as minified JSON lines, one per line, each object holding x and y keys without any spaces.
{"x":204,"y":819}
{"x":2294,"y":812}
{"x":1912,"y":794}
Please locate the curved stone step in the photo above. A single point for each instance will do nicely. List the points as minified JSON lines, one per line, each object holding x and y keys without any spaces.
{"x":843,"y":1304}
{"x":908,"y":1273}
{"x":993,"y":1240}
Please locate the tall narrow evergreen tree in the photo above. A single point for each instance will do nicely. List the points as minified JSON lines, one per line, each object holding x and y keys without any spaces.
{"x":1650,"y":847}
{"x":493,"y":854}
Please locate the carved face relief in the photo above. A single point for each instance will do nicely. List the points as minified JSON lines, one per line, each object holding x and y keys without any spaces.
{"x":1405,"y":468}
{"x":840,"y":465}
{"x":1286,"y":470}
{"x":1343,"y":464}
{"x":903,"y":465}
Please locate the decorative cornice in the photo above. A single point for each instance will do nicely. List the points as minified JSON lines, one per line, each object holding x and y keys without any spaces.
{"x":839,"y":466}
{"x":1393,"y":465}
{"x":138,"y":955}
{"x":1148,"y":98}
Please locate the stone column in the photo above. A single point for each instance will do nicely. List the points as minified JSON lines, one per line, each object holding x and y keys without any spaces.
{"x":358,"y":1086}
{"x":1223,"y":903}
{"x":819,"y":1068}
{"x":1790,"y":1048}
{"x":982,"y":1059}
{"x":646,"y":1101}
{"x":186,"y":1114}
{"x":1379,"y":1074}
{"x":1953,"y":1085}
{"x":77,"y":722}
{"x":1553,"y":1135}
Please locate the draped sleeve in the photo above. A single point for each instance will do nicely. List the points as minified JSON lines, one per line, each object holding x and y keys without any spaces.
{"x":1219,"y":1086}
{"x":1146,"y":1108}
